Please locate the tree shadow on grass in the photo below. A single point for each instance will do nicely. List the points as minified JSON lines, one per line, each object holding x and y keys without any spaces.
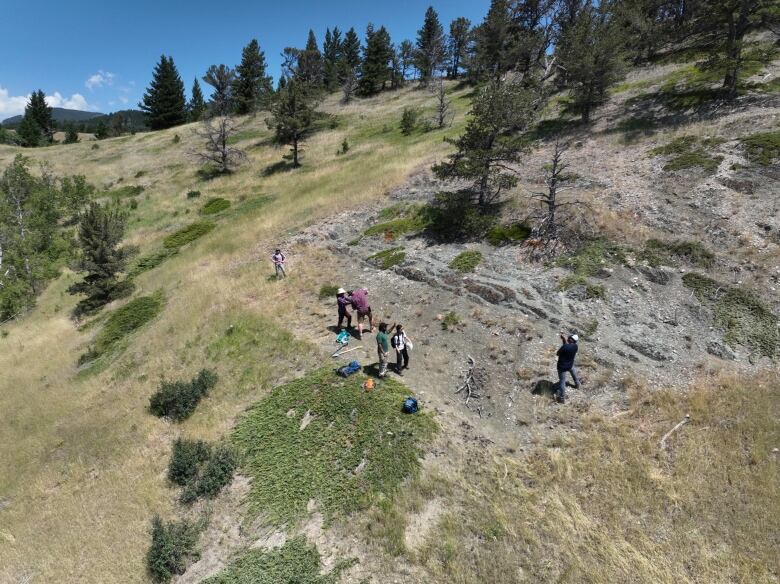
{"x":209,"y":172}
{"x":277,"y":167}
{"x":547,"y":129}
{"x":545,"y":387}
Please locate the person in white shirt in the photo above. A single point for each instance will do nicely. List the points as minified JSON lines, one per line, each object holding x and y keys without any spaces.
{"x":278,"y":260}
{"x":401,"y":343}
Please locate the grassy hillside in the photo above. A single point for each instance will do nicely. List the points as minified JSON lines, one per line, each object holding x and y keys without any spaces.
{"x":570,"y":495}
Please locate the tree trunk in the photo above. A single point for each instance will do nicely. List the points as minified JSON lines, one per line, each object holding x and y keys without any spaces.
{"x":737,"y":29}
{"x":295,"y":152}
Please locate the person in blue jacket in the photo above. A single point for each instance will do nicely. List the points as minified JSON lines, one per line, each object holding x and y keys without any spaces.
{"x":566,"y":354}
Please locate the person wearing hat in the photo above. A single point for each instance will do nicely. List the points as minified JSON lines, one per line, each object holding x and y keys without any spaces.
{"x":566,"y":354}
{"x":343,"y":300}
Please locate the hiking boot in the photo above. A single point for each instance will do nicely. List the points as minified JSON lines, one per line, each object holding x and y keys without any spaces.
{"x":560,"y":399}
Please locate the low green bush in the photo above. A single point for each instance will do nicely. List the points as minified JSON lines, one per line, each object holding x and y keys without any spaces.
{"x":177,"y":400}
{"x":466,"y":261}
{"x":193,"y":194}
{"x":215,"y":475}
{"x":151,"y":261}
{"x":388,"y":258}
{"x":409,"y":119}
{"x":507,"y":234}
{"x":763,"y":148}
{"x":123,"y":192}
{"x":658,"y":252}
{"x":327,"y":291}
{"x":188,"y":234}
{"x":407,"y":219}
{"x":215,"y":205}
{"x":121,"y":323}
{"x":450,"y":321}
{"x":689,"y":152}
{"x":173,"y":545}
{"x":187,"y":456}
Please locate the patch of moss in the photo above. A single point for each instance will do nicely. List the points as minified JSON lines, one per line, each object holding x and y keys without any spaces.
{"x":762,"y":148}
{"x":121,"y":323}
{"x":215,"y":205}
{"x":507,"y":234}
{"x":388,"y":258}
{"x":357,"y":446}
{"x":407,"y":219}
{"x":689,"y":152}
{"x":327,"y":291}
{"x":296,"y":561}
{"x":466,"y":261}
{"x":593,"y":257}
{"x":658,"y":252}
{"x":123,"y":192}
{"x":743,"y":317}
{"x":187,"y":234}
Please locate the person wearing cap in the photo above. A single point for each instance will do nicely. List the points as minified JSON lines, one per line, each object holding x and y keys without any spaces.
{"x":566,"y":354}
{"x":278,"y":260}
{"x":343,"y":301}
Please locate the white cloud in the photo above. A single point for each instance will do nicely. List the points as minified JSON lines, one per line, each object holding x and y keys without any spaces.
{"x":11,"y":105}
{"x":75,"y":101}
{"x":99,"y":79}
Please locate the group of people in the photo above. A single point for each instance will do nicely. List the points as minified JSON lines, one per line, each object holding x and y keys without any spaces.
{"x":388,"y":336}
{"x":394,"y":337}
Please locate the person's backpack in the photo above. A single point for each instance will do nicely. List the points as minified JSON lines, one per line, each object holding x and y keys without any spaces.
{"x":410,"y":406}
{"x":347,"y":370}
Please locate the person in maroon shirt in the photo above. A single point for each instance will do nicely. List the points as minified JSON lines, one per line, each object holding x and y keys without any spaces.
{"x":363,"y":308}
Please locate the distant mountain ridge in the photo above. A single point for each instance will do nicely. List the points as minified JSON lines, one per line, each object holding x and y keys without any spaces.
{"x":59,"y":114}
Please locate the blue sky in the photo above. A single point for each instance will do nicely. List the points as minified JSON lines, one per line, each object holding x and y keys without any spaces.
{"x":99,"y":56}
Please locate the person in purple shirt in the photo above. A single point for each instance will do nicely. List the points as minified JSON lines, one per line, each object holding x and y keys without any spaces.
{"x":363,"y":308}
{"x":566,"y":354}
{"x":343,"y":301}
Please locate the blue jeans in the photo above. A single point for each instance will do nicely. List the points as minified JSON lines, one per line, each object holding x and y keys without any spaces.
{"x":562,"y":381}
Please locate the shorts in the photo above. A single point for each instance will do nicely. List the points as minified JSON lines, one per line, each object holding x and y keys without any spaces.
{"x":362,"y":315}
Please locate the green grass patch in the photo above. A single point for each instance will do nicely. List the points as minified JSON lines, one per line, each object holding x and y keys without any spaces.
{"x":624,"y":86}
{"x":744,"y":318}
{"x":215,"y":205}
{"x":400,"y":219}
{"x":466,"y":261}
{"x":689,"y":152}
{"x":388,"y":258}
{"x":657,"y":252}
{"x":508,"y":234}
{"x":593,"y":257}
{"x":151,"y":261}
{"x":327,"y":291}
{"x":121,"y":323}
{"x":762,"y":148}
{"x":123,"y":192}
{"x":358,"y":446}
{"x":296,"y":562}
{"x":187,"y":234}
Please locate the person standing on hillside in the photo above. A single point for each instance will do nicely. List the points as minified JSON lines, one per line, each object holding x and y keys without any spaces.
{"x":383,"y":348}
{"x":343,"y":301}
{"x":401,"y":344}
{"x":566,"y":354}
{"x":278,"y":260}
{"x":363,"y":308}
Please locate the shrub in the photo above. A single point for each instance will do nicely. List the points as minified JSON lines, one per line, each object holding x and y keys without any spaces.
{"x":657,"y":252}
{"x":327,"y":291}
{"x":689,"y":152}
{"x":407,"y":219}
{"x":123,"y":192}
{"x":466,"y":261}
{"x":151,"y":261}
{"x":140,"y":173}
{"x":215,"y":205}
{"x":186,"y":457}
{"x":177,"y":400}
{"x":187,"y":234}
{"x":193,"y":194}
{"x":506,"y":234}
{"x":344,"y":147}
{"x":215,"y":475}
{"x":388,"y":258}
{"x":95,"y":146}
{"x":176,"y":138}
{"x":450,"y":321}
{"x":172,"y":545}
{"x":762,"y":148}
{"x":409,"y":119}
{"x":455,"y":217}
{"x":122,"y":322}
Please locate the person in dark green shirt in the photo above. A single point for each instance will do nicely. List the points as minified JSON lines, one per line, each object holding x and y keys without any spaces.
{"x":383,"y":348}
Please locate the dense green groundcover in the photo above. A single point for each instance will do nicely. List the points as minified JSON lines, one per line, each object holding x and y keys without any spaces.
{"x":295,"y":562}
{"x":358,"y":444}
{"x":187,"y":234}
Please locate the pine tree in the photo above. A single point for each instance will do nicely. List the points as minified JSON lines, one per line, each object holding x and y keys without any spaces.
{"x":100,"y":231}
{"x":221,"y":78}
{"x":101,"y":131}
{"x":39,"y":110}
{"x":310,"y":67}
{"x":196,"y":106}
{"x":530,"y":35}
{"x":252,"y":87}
{"x":491,"y":42}
{"x":71,"y":135}
{"x":332,"y":59}
{"x":590,"y":54}
{"x":29,"y":132}
{"x":376,"y":69}
{"x":164,"y":99}
{"x":492,"y":142}
{"x":351,"y":49}
{"x":430,"y":46}
{"x":405,"y":57}
{"x":457,"y":45}
{"x":292,"y":116}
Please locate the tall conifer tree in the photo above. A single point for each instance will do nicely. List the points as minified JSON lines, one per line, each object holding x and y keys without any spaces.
{"x":164,"y":99}
{"x":430,"y":46}
{"x":310,"y":68}
{"x":252,"y":87}
{"x":197,"y":105}
{"x":376,"y":68}
{"x":457,"y":45}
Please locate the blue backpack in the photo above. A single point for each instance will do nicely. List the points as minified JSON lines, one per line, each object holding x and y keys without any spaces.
{"x":410,"y":406}
{"x":347,"y":370}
